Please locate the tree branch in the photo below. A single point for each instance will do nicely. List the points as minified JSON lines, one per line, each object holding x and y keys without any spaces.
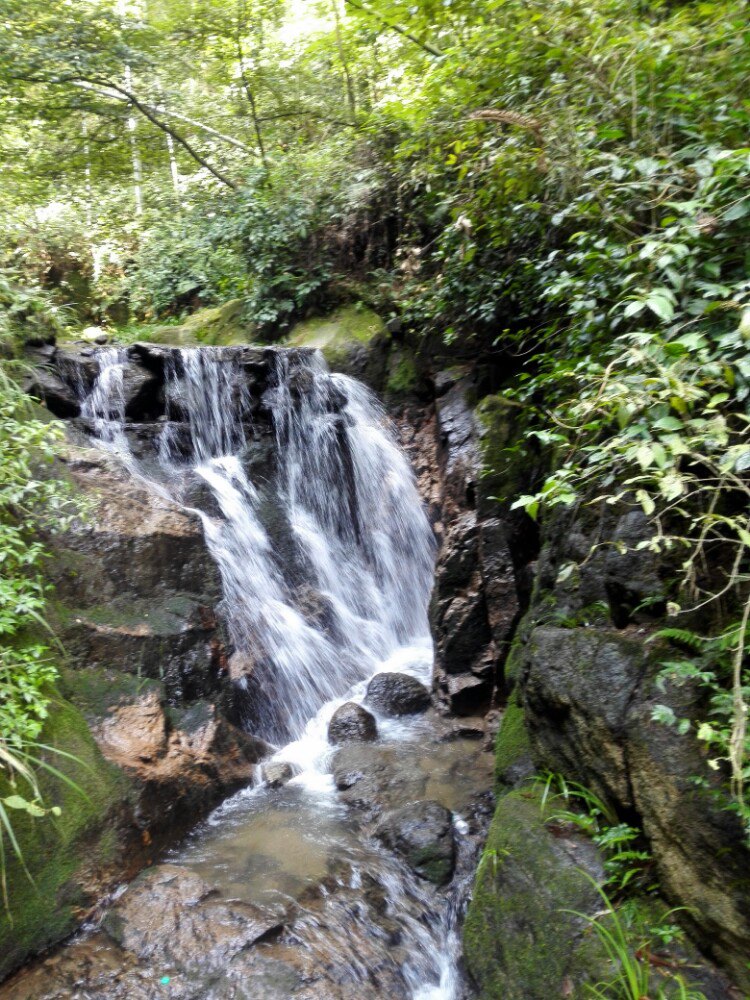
{"x":396,"y":27}
{"x":164,"y":111}
{"x":150,"y":113}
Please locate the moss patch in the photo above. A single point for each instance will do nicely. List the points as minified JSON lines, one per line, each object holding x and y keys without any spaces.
{"x":518,"y":942}
{"x":500,"y":422}
{"x":97,"y":692}
{"x":220,"y":326}
{"x":512,"y":742}
{"x":335,"y":335}
{"x":403,"y":376}
{"x":63,"y":853}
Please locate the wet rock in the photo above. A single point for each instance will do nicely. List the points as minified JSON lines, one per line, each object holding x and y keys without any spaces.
{"x":141,"y":393}
{"x":54,"y":392}
{"x":397,"y":694}
{"x":468,"y":694}
{"x":171,"y":915}
{"x":277,"y":773}
{"x":241,"y":666}
{"x":352,"y":723}
{"x":520,"y":941}
{"x":178,"y":771}
{"x":315,"y":608}
{"x":422,"y":833}
{"x":139,"y":584}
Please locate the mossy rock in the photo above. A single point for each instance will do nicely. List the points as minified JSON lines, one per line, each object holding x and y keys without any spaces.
{"x":219,"y":326}
{"x":520,"y":941}
{"x":511,"y":466}
{"x":512,"y":746}
{"x":98,"y":692}
{"x":340,"y":336}
{"x":62,"y":854}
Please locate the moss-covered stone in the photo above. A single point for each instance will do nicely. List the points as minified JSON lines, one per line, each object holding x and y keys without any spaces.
{"x":337,"y":333}
{"x":98,"y":692}
{"x":519,"y":940}
{"x":63,"y":854}
{"x":403,"y":376}
{"x":220,"y":326}
{"x":512,"y":745}
{"x":504,"y":459}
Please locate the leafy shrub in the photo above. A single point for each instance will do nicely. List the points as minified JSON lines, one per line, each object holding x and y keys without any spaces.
{"x":30,"y":503}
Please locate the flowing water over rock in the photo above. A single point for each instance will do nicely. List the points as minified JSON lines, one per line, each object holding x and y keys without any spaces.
{"x":311,"y":512}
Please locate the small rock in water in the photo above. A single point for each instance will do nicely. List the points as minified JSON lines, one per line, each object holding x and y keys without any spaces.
{"x":397,"y":694}
{"x":352,"y":723}
{"x":276,"y":773}
{"x":422,"y":833}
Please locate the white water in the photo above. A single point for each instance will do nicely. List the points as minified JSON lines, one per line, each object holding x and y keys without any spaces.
{"x":362,"y":546}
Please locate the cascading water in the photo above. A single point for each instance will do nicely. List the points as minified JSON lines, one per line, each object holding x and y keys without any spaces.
{"x":326,"y":562}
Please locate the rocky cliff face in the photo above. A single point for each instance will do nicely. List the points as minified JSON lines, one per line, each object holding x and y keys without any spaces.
{"x":579,"y":689}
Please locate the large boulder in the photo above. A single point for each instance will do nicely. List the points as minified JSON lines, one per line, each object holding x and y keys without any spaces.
{"x":352,"y":723}
{"x":393,"y":693}
{"x":181,"y":763}
{"x":422,"y":833}
{"x":521,"y":941}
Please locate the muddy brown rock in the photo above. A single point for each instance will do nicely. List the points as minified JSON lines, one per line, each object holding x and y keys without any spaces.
{"x":171,"y":915}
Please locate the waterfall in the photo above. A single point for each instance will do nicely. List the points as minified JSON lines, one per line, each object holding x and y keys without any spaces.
{"x":360,"y":546}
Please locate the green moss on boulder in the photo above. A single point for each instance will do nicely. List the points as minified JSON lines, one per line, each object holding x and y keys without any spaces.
{"x":336,"y":334}
{"x":220,"y":326}
{"x":63,"y":854}
{"x":519,"y":942}
{"x":512,"y":746}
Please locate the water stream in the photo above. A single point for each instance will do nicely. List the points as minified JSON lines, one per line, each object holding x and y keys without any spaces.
{"x":326,"y":565}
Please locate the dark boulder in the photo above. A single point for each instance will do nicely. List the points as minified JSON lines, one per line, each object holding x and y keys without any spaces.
{"x":352,"y":723}
{"x":422,"y":833}
{"x":397,"y":694}
{"x":141,"y":391}
{"x":54,"y":392}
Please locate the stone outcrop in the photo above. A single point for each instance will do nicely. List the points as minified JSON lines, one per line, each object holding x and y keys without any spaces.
{"x":475,"y":600}
{"x":422,"y":833}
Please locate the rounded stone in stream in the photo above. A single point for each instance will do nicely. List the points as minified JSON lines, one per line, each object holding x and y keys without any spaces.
{"x":422,"y":833}
{"x":277,"y":773}
{"x":397,"y":694}
{"x":352,"y":724}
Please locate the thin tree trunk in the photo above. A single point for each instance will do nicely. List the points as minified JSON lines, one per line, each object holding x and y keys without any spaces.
{"x":248,"y":89}
{"x":134,"y":153}
{"x":345,"y":65}
{"x":87,"y":176}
